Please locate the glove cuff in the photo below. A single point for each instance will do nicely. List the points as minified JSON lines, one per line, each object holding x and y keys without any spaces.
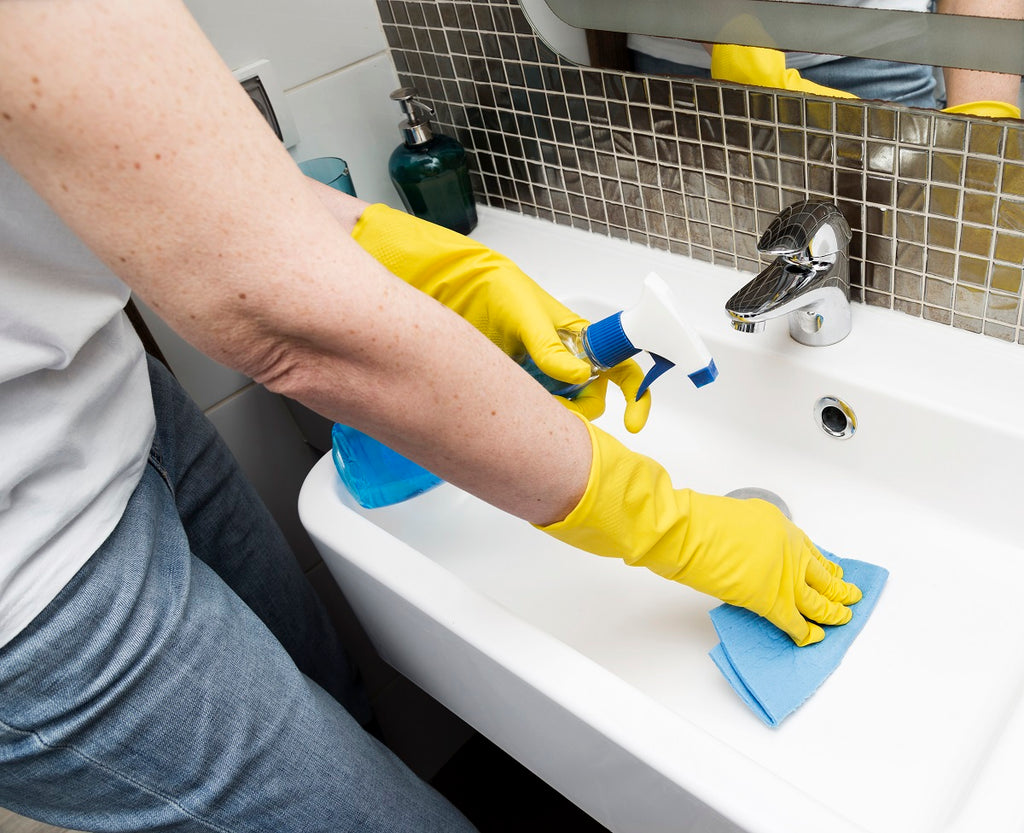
{"x":991,"y":109}
{"x":629,"y":509}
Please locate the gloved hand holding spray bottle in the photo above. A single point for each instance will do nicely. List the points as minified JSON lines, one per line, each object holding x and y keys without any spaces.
{"x":654,"y":325}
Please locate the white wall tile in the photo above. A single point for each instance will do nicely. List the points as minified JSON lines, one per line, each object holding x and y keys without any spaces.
{"x":349,"y":114}
{"x":303,"y":39}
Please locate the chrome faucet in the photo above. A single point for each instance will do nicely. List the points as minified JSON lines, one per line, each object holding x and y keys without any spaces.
{"x":809,"y":280}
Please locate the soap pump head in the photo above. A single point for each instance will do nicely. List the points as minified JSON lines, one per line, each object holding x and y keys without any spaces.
{"x":416,"y":127}
{"x":656,"y":326}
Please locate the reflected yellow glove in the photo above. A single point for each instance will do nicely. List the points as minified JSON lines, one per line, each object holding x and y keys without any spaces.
{"x":744,"y":552}
{"x":496,"y":297}
{"x":761,"y":67}
{"x":990,"y":109}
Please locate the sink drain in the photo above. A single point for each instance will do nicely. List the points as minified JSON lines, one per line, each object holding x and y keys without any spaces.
{"x":835,"y":417}
{"x":762,"y":494}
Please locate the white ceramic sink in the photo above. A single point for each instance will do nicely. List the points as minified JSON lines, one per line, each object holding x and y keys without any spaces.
{"x":597,"y":676}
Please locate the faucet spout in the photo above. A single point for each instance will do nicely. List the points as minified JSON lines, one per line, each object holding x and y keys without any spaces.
{"x":808,"y":281}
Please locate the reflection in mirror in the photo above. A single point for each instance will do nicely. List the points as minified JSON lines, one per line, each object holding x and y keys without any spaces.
{"x":965,"y":55}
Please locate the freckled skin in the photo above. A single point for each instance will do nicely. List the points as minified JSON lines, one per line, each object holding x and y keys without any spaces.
{"x":329,"y":325}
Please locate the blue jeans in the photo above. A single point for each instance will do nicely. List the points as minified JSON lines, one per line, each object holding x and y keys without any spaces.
{"x":187,"y":678}
{"x":910,"y":84}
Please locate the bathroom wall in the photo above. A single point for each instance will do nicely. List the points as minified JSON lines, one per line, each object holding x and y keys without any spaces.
{"x":332,"y":62}
{"x":699,"y":168}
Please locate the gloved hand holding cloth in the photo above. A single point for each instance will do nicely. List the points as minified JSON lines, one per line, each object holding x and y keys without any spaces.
{"x":496,"y":297}
{"x":745,"y":552}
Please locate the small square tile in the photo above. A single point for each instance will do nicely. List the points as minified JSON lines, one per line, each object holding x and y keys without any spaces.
{"x":696,"y":209}
{"x":761,"y":106}
{"x":985,"y":138}
{"x":976,"y":240}
{"x":981,"y":174}
{"x":790,"y":110}
{"x":942,"y":232}
{"x":1000,"y":331}
{"x":911,"y":196}
{"x":907,"y":307}
{"x":1006,"y":278}
{"x":791,"y":142}
{"x":913,"y":164}
{"x":909,"y":256}
{"x":979,"y":208}
{"x":938,"y":292}
{"x":944,"y":201}
{"x":908,"y":285}
{"x":1003,"y":308}
{"x":881,"y":123}
{"x":850,"y":119}
{"x":941,"y":264}
{"x":881,"y":157}
{"x":950,"y":134}
{"x":969,"y":323}
{"x":914,"y":129}
{"x":818,"y":115}
{"x":938,"y":315}
{"x":972,"y":270}
{"x":947,"y":167}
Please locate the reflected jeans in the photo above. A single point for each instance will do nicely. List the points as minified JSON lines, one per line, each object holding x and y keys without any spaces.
{"x":912,"y":85}
{"x":187,"y":679}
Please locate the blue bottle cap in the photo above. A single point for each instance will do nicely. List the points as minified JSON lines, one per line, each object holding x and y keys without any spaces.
{"x":607,"y":343}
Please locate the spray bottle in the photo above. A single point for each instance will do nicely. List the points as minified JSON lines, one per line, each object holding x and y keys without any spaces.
{"x":653,"y":325}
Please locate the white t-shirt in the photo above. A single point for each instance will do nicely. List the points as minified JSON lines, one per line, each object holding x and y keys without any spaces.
{"x":76,"y":415}
{"x":694,"y":54}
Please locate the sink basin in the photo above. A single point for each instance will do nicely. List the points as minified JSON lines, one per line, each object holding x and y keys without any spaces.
{"x":597,"y":677}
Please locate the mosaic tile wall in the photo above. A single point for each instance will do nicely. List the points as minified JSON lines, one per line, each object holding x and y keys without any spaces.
{"x":936,"y":202}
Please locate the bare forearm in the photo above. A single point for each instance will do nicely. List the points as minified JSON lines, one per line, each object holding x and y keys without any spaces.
{"x":964,"y":86}
{"x":202,"y":212}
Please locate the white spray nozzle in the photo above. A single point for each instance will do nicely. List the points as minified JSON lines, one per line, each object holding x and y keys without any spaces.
{"x":655,"y":326}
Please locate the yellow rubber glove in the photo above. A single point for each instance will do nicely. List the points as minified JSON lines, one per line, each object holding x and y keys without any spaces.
{"x":744,"y":552}
{"x":496,"y":297}
{"x":989,"y":109}
{"x":761,"y":67}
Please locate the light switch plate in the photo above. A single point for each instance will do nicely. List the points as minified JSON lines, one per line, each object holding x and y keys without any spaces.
{"x":260,"y":81}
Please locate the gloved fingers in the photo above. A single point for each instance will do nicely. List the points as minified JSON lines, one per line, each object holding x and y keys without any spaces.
{"x":829,"y":565}
{"x":590,"y":401}
{"x":829,"y":585}
{"x":798,"y":628}
{"x":628,"y":376}
{"x":539,"y":336}
{"x":816,"y":608}
{"x":812,"y":602}
{"x":813,"y":634}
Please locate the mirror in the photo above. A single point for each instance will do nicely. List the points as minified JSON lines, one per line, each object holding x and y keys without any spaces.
{"x":980,"y":58}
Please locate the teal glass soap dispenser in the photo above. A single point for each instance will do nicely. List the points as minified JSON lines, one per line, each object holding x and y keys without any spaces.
{"x":429,"y":169}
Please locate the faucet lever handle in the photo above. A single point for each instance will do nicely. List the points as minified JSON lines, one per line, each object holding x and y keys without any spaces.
{"x":806,"y":231}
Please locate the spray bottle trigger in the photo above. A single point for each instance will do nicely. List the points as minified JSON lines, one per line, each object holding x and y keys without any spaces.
{"x":661,"y":364}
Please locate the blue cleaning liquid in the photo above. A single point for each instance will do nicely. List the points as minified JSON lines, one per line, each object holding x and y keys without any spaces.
{"x":566,"y":390}
{"x":375,"y":474}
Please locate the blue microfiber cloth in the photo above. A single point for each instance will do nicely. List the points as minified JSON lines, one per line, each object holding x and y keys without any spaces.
{"x":771,"y":674}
